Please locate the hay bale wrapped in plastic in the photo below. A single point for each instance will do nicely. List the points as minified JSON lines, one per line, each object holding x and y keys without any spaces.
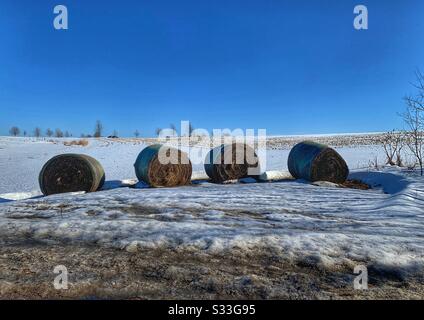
{"x":162,"y":166}
{"x":71,"y":173}
{"x":231,"y":162}
{"x":317,"y":162}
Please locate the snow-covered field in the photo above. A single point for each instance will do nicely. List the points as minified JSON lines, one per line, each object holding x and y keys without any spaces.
{"x":321,"y":225}
{"x":21,"y":160}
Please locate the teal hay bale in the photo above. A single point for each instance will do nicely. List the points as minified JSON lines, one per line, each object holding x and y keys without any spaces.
{"x":71,"y":173}
{"x":162,"y":166}
{"x":317,"y":162}
{"x":231,"y":162}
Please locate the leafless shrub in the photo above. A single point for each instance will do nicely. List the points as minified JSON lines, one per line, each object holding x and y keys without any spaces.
{"x":393,"y":143}
{"x":399,"y":160}
{"x":414,"y":119}
{"x":415,"y":143}
{"x":373,"y":164}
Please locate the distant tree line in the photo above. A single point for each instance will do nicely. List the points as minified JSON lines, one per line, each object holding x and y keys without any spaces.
{"x":172,"y":131}
{"x":97,"y":132}
{"x":37,"y":132}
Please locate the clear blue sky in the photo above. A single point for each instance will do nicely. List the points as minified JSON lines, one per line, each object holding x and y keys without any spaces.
{"x":291,"y":67}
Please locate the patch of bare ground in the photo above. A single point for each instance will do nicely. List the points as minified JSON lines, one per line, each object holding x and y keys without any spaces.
{"x":98,"y":273}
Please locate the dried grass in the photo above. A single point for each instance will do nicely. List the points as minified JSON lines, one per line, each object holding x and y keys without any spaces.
{"x":356,"y":184}
{"x":82,"y":143}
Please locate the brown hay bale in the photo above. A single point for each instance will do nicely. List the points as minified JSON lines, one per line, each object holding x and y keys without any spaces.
{"x":317,"y":162}
{"x":71,"y":173}
{"x":231,"y":162}
{"x":163,"y":166}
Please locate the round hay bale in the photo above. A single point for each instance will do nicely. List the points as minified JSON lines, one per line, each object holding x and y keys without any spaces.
{"x":317,"y":162}
{"x":163,"y":166}
{"x":71,"y":173}
{"x":231,"y":162}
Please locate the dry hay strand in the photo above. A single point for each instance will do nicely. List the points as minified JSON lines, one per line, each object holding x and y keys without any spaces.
{"x":163,"y":166}
{"x":356,"y":184}
{"x":317,"y":162}
{"x":231,"y":162}
{"x":82,"y":143}
{"x":71,"y":173}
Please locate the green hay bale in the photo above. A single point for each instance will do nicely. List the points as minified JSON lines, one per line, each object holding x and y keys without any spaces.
{"x":317,"y":162}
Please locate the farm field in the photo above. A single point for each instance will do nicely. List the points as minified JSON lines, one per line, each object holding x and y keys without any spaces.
{"x":21,"y":159}
{"x":268,"y":240}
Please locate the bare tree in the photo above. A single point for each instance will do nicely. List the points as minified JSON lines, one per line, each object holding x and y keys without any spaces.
{"x":417,"y":101}
{"x":401,"y":145}
{"x":190,"y":129}
{"x":158,"y":131}
{"x":58,"y":133}
{"x":67,"y":134}
{"x":414,"y":119}
{"x":136,"y":133}
{"x":49,"y":132}
{"x":98,"y":130}
{"x":37,"y":132}
{"x":415,"y":136}
{"x":25,"y":133}
{"x":115,"y":133}
{"x":392,"y":143}
{"x":14,"y":131}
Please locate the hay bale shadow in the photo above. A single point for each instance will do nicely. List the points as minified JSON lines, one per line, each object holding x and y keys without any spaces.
{"x":391,"y":183}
